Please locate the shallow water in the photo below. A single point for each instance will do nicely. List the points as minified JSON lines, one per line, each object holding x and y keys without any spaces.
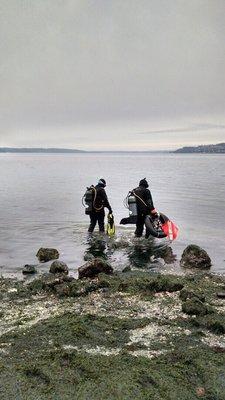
{"x":41,"y":201}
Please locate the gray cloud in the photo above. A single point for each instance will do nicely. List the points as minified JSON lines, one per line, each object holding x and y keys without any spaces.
{"x":193,"y":128}
{"x":77,"y":71}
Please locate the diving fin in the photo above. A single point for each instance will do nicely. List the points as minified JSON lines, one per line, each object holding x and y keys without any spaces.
{"x":132,"y":219}
{"x":110,"y":225}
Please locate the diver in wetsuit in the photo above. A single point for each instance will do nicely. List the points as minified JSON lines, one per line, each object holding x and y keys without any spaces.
{"x":100,"y":200}
{"x":145,"y":207}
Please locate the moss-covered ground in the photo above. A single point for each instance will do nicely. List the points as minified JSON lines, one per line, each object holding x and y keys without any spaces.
{"x":124,"y":336}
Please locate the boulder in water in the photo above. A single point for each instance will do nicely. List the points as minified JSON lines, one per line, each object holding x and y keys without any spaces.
{"x":47,"y":254}
{"x":59,"y":267}
{"x":29,"y":269}
{"x":93,"y":268}
{"x":195,"y":257}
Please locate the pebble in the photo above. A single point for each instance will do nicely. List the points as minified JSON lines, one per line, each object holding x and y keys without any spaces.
{"x":13,"y":290}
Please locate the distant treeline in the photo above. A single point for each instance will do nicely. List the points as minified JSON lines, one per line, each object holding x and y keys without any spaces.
{"x":37,"y":150}
{"x":209,"y":148}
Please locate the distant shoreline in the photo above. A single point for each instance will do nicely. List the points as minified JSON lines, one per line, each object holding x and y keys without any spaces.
{"x":202,"y":149}
{"x":38,"y":150}
{"x":218,"y":148}
{"x":31,"y":150}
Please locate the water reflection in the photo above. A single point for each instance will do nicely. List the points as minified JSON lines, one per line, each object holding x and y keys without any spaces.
{"x":141,"y":252}
{"x":96,"y":247}
{"x":145,"y":252}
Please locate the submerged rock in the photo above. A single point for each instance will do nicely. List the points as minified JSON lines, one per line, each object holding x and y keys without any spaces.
{"x":58,"y":267}
{"x":29,"y":269}
{"x":195,"y":257}
{"x":47,"y":254}
{"x":93,"y":268}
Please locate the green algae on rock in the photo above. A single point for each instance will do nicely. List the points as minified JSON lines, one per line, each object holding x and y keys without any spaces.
{"x":58,"y":267}
{"x":47,"y":254}
{"x":186,"y":294}
{"x":194,"y":306}
{"x":195,"y":257}
{"x":93,"y":268}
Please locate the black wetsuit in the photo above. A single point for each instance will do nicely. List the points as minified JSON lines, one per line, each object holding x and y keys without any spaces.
{"x":144,"y":207}
{"x":100,"y":200}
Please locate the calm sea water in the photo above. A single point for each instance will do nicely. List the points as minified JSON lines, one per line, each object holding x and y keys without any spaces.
{"x":40,"y":201}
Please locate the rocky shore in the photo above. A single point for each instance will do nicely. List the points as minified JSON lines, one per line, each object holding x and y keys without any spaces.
{"x":114,"y":335}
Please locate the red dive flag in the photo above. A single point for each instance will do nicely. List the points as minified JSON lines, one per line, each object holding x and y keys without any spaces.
{"x":170,"y":229}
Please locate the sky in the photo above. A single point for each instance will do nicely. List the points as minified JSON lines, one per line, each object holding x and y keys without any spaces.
{"x":112,"y":74}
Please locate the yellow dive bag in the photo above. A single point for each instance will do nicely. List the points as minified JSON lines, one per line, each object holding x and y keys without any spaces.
{"x":110,"y":225}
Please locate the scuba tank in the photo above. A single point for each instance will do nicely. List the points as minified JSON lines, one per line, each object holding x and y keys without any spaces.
{"x":132,"y":204}
{"x":87,"y":200}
